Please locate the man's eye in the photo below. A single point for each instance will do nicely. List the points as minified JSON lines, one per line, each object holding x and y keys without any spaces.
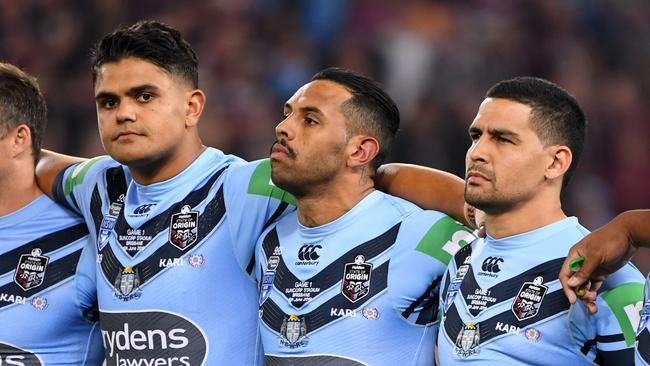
{"x":108,"y":103}
{"x":144,"y":97}
{"x":310,"y":121}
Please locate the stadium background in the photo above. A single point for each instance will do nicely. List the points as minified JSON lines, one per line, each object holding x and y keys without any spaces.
{"x":436,"y":59}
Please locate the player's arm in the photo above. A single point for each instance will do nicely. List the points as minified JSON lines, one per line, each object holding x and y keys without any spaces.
{"x":605,"y":251}
{"x":429,"y":188}
{"x":50,"y":165}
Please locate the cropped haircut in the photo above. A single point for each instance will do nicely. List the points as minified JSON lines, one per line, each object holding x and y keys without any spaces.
{"x":21,"y":102}
{"x":556,"y":116}
{"x":151,"y":41}
{"x":370,"y":110}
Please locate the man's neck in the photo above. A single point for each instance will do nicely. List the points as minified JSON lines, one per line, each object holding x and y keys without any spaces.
{"x":524,"y":218}
{"x":147,"y":173}
{"x":17,"y":190}
{"x":330,"y":202}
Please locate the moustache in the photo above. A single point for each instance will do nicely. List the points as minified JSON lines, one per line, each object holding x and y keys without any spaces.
{"x":480,"y":169}
{"x":290,"y":152}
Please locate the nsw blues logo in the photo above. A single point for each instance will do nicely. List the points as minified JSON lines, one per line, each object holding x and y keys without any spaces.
{"x":293,"y":332}
{"x":268,"y":278}
{"x":184,"y":228}
{"x":127,"y":284}
{"x":30,"y":272}
{"x":108,"y":223}
{"x":454,"y":286}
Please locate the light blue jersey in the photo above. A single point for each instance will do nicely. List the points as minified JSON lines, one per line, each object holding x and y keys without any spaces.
{"x":361,"y":290}
{"x":48,"y":315}
{"x":174,"y":258}
{"x":503,"y":304}
{"x":643,"y":332}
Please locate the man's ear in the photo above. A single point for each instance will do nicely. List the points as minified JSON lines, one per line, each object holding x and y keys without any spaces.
{"x":21,"y":140}
{"x":194,"y":107}
{"x":560,"y":158}
{"x":362,"y":150}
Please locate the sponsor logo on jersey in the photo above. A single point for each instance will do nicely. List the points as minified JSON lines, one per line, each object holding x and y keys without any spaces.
{"x":108,"y":223}
{"x":308,"y":255}
{"x":30,"y":271}
{"x":152,"y":338}
{"x":127,"y":284}
{"x":196,"y":260}
{"x":39,"y":303}
{"x":269,"y":277}
{"x":11,"y":355}
{"x":532,"y":334}
{"x":529,"y":299}
{"x":142,"y":210}
{"x":507,"y":328}
{"x":468,"y":340}
{"x":367,"y":313}
{"x":184,"y":228}
{"x":13,"y":299}
{"x":454,"y":286}
{"x":293,"y":332}
{"x":490,"y":267}
{"x":356,"y":279}
{"x":170,"y":262}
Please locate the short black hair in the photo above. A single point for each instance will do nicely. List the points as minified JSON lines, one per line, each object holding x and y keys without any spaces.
{"x":370,"y":110}
{"x":556,"y":116}
{"x":151,"y":41}
{"x":22,"y":102}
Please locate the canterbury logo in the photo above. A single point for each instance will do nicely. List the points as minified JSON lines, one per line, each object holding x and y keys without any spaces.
{"x":491,"y":264}
{"x":141,"y":210}
{"x":308,"y":252}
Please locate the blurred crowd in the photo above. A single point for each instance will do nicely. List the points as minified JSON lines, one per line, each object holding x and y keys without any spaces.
{"x":436,"y":58}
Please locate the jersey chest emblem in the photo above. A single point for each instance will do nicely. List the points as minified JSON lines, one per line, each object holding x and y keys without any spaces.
{"x":468,"y":340}
{"x":356,"y":279}
{"x":184,"y":228}
{"x":529,"y":299}
{"x":269,"y":276}
{"x":127,"y":284}
{"x":108,"y":223}
{"x":30,"y":272}
{"x":293,"y":332}
{"x":454,"y":286}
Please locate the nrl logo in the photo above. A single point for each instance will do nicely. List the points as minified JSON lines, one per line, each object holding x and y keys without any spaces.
{"x":356,"y":279}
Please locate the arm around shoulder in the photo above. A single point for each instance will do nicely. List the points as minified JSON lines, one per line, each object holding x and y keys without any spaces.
{"x":429,"y":188}
{"x":49,"y":166}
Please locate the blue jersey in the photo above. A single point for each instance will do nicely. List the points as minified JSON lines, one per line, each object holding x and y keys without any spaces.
{"x":47,"y":314}
{"x":503,"y":304}
{"x":643,"y":332}
{"x":361,"y":290}
{"x":173,"y":259}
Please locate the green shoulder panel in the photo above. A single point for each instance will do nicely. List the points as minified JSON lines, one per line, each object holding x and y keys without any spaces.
{"x":444,"y":239}
{"x":261,"y":184}
{"x":78,"y":174}
{"x":626,"y":302}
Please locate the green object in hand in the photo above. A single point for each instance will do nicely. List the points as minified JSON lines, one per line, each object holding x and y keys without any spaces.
{"x":574,"y":266}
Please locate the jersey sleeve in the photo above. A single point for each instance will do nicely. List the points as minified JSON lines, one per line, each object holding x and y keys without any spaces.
{"x":72,"y":188}
{"x":427,"y":242}
{"x":253,"y":202}
{"x":609,"y":335}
